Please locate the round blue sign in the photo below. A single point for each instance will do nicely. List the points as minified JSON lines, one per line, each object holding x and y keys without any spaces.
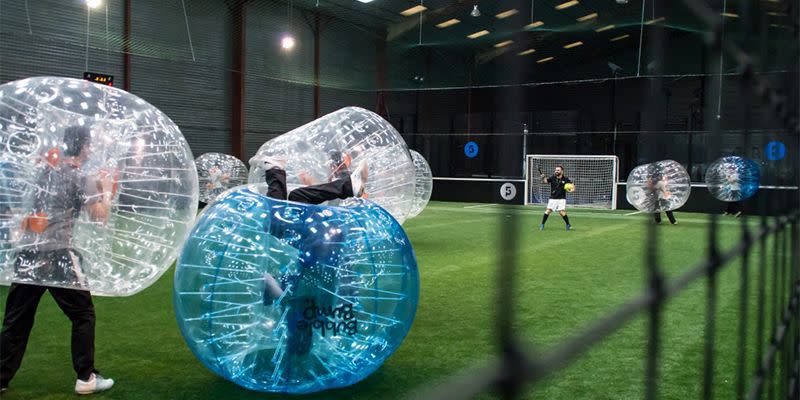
{"x":775,"y":151}
{"x":471,"y":149}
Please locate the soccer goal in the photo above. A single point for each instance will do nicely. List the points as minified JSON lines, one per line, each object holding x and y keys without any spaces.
{"x":595,"y":179}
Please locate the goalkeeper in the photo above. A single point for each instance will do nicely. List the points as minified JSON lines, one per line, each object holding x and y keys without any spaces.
{"x":559,"y":186}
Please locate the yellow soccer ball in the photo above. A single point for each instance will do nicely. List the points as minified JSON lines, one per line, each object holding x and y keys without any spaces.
{"x":569,"y":187}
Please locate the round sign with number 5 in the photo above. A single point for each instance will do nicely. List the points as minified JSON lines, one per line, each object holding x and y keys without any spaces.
{"x":471,"y":149}
{"x":508,"y":191}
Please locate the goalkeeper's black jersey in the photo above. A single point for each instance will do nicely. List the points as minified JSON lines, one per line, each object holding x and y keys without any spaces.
{"x":557,"y":190}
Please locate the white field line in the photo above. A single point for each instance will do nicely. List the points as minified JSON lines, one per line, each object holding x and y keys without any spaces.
{"x":699,"y":218}
{"x":481,"y":205}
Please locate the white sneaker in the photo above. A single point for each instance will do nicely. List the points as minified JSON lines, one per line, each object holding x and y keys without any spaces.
{"x":359,"y":179}
{"x":95,"y":384}
{"x":267,"y":162}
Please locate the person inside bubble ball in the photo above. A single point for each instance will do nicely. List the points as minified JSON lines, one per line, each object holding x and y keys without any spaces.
{"x":46,"y":254}
{"x":659,"y":189}
{"x":217,"y":179}
{"x":733,"y":208}
{"x":316,"y":253}
{"x":338,"y":165}
{"x":342,"y":183}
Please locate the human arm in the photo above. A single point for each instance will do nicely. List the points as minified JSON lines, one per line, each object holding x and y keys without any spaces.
{"x":99,"y":206}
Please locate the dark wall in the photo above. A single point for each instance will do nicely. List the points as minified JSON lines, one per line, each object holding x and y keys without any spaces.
{"x":189,"y":75}
{"x":603,"y":117}
{"x":478,"y":191}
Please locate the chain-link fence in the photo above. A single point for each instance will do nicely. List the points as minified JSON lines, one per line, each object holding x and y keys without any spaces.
{"x":770,"y":252}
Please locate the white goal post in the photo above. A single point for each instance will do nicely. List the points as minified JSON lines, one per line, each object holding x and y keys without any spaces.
{"x":595,"y":179}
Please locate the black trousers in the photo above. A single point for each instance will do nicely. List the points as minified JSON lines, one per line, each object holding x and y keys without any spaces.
{"x":733,"y":207}
{"x":314,"y":194}
{"x":21,"y":307}
{"x":312,"y":249}
{"x":670,"y":215}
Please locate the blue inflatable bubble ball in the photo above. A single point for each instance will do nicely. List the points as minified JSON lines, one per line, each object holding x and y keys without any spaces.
{"x":733,"y":178}
{"x":277,"y":296}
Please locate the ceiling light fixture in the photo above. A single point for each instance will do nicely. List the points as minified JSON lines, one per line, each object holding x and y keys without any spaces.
{"x":566,"y":5}
{"x":507,"y":13}
{"x":535,"y":24}
{"x":605,"y":28}
{"x":573,"y":44}
{"x":475,"y":12}
{"x":526,"y":52}
{"x":413,"y":10}
{"x":478,"y":34}
{"x":503,"y":43}
{"x":544,"y":60}
{"x":588,"y":17}
{"x":625,"y":36}
{"x":287,"y":42}
{"x":449,"y":22}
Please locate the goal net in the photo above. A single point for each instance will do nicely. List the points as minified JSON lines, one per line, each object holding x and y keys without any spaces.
{"x":595,"y":179}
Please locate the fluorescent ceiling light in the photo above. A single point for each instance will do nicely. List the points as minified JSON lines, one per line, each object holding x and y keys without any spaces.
{"x":625,"y":36}
{"x":729,"y":15}
{"x":526,"y":52}
{"x":449,"y":22}
{"x":504,"y":43}
{"x":566,"y":5}
{"x":605,"y":28}
{"x":507,"y":13}
{"x":544,"y":60}
{"x":588,"y":17}
{"x":413,"y":10}
{"x":573,"y":44}
{"x":654,"y":21}
{"x":535,"y":24}
{"x":478,"y":34}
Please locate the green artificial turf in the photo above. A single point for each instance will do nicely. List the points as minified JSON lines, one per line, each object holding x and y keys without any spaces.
{"x":565,"y":281}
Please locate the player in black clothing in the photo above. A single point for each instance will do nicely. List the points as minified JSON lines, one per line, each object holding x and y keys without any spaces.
{"x":558,"y":196}
{"x":46,"y":254}
{"x":316,"y":253}
{"x":342,"y":183}
{"x":659,"y":185}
